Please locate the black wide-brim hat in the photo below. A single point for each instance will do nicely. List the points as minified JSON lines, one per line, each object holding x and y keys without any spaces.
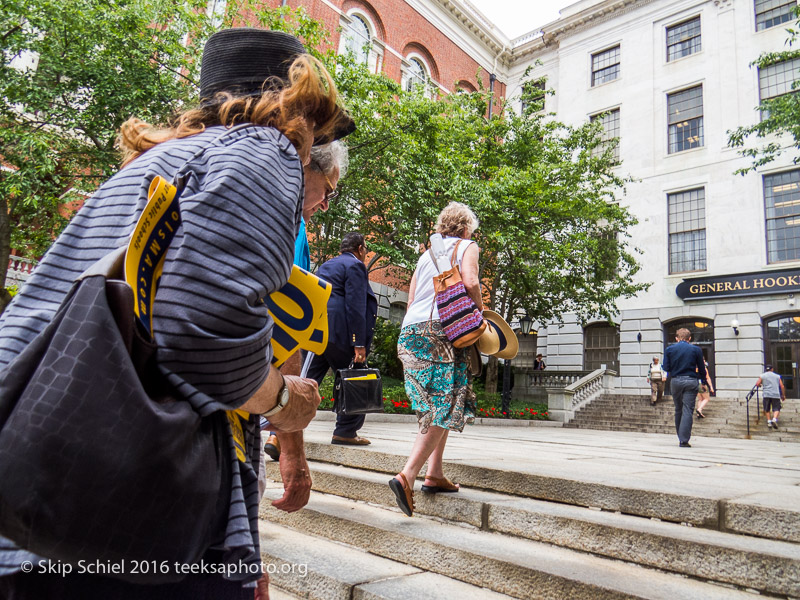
{"x":245,"y":61}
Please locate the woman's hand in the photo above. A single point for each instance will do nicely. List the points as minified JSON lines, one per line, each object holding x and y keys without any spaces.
{"x":302,"y":406}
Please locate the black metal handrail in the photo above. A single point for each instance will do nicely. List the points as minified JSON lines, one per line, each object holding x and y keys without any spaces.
{"x":750,"y":394}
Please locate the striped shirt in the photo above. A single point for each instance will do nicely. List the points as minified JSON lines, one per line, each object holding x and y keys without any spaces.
{"x":240,"y":210}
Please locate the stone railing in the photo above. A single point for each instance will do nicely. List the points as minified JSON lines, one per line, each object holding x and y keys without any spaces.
{"x":562,"y":402}
{"x":19,"y":269}
{"x":542,"y":380}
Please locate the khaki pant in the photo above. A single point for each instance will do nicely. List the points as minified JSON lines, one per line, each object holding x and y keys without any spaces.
{"x":656,"y":391}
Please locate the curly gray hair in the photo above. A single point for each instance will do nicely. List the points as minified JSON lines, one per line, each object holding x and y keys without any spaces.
{"x":325,"y":158}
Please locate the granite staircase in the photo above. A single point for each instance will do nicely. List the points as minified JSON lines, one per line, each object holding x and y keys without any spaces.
{"x":725,"y":417}
{"x":509,"y":534}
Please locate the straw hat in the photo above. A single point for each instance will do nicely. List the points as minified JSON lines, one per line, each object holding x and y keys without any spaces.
{"x":498,"y":339}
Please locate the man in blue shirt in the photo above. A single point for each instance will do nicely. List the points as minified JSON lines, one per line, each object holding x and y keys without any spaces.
{"x":685,"y":366}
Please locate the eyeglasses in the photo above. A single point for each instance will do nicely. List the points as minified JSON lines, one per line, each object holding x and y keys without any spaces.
{"x":333,"y":193}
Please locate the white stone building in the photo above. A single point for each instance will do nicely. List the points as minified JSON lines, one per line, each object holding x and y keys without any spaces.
{"x":674,"y":77}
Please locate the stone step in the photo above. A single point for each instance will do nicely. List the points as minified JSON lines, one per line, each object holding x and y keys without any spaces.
{"x":307,"y":566}
{"x":508,"y":565}
{"x":739,"y":433}
{"x":703,"y":505}
{"x":765,"y":565}
{"x":276,"y":593}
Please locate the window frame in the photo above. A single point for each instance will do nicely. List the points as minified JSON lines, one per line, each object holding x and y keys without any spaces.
{"x":595,"y":71}
{"x":540,"y":85}
{"x":701,"y":262}
{"x":614,"y":347}
{"x":429,"y":85}
{"x":772,"y":22}
{"x":765,"y":73}
{"x":698,"y":37}
{"x":691,"y":122}
{"x":362,"y":55}
{"x":606,"y":138}
{"x":783,"y":216}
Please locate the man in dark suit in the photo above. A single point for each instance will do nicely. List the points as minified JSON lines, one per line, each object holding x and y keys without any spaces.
{"x":352,"y":309}
{"x":684,"y":364}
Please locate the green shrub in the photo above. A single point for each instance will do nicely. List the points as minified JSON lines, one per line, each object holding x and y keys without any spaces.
{"x":383,"y":355}
{"x":395,"y":401}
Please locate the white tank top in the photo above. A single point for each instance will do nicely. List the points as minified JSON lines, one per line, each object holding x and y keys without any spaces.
{"x":419,"y":311}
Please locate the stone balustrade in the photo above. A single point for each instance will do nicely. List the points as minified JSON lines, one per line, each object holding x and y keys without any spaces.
{"x":19,"y":269}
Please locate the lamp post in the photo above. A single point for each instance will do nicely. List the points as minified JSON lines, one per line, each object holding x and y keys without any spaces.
{"x":525,"y":324}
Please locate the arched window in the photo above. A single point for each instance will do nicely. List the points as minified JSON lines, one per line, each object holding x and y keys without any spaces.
{"x":358,"y":38}
{"x":417,"y":75}
{"x":601,"y":347}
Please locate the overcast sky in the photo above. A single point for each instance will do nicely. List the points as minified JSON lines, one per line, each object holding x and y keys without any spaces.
{"x":516,"y":17}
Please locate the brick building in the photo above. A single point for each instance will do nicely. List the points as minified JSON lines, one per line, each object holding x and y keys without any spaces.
{"x":445,"y":41}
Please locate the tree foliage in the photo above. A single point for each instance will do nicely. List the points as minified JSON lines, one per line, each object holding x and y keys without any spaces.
{"x":778,"y":128}
{"x":553,"y":230}
{"x":71,"y":74}
{"x":553,"y":233}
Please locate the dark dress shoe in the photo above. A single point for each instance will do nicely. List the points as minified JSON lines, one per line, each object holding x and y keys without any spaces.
{"x":354,"y":441}
{"x":685,"y":445}
{"x":272,"y":448}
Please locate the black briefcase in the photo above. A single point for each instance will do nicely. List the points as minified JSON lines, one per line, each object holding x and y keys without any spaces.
{"x":357,"y":391}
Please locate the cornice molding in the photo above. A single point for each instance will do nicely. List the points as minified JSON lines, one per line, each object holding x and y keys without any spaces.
{"x":548,"y":37}
{"x":468,"y":26}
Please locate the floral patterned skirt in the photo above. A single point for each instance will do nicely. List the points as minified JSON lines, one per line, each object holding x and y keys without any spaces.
{"x":437,"y":377}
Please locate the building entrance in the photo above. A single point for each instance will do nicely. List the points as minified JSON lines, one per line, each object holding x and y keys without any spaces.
{"x":782,"y":341}
{"x":702,"y":331}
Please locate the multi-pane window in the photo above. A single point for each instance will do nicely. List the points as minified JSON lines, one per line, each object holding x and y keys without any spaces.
{"x":776,"y":80}
{"x":770,"y":13}
{"x":416,"y":75}
{"x":782,"y":202}
{"x":358,"y":39}
{"x":685,"y":119}
{"x":687,"y":231}
{"x":534,"y":96}
{"x":601,"y":347}
{"x":605,"y":66}
{"x":610,"y":123}
{"x":683,"y":39}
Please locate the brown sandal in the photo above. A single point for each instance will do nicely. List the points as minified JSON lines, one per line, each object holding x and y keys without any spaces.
{"x":404,"y":494}
{"x":441,"y":484}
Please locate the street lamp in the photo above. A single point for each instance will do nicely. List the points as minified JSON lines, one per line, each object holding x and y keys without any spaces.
{"x":525,"y":324}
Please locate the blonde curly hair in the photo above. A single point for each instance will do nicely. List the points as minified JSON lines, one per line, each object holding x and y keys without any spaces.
{"x":455,"y":218}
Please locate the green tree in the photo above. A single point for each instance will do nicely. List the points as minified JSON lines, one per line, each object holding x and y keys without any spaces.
{"x":71,"y":73}
{"x":553,"y":229}
{"x":553,"y":233}
{"x":778,"y":128}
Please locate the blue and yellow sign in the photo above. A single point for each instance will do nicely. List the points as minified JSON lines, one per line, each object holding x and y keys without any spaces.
{"x":299,"y":308}
{"x":144,"y":259}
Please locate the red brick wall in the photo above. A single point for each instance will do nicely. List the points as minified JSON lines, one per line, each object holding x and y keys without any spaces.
{"x":404,"y":30}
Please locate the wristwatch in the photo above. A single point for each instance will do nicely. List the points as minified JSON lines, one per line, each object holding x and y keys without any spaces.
{"x":283,"y":400}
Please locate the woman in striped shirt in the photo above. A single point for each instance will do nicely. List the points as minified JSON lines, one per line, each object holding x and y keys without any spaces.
{"x":240,"y":209}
